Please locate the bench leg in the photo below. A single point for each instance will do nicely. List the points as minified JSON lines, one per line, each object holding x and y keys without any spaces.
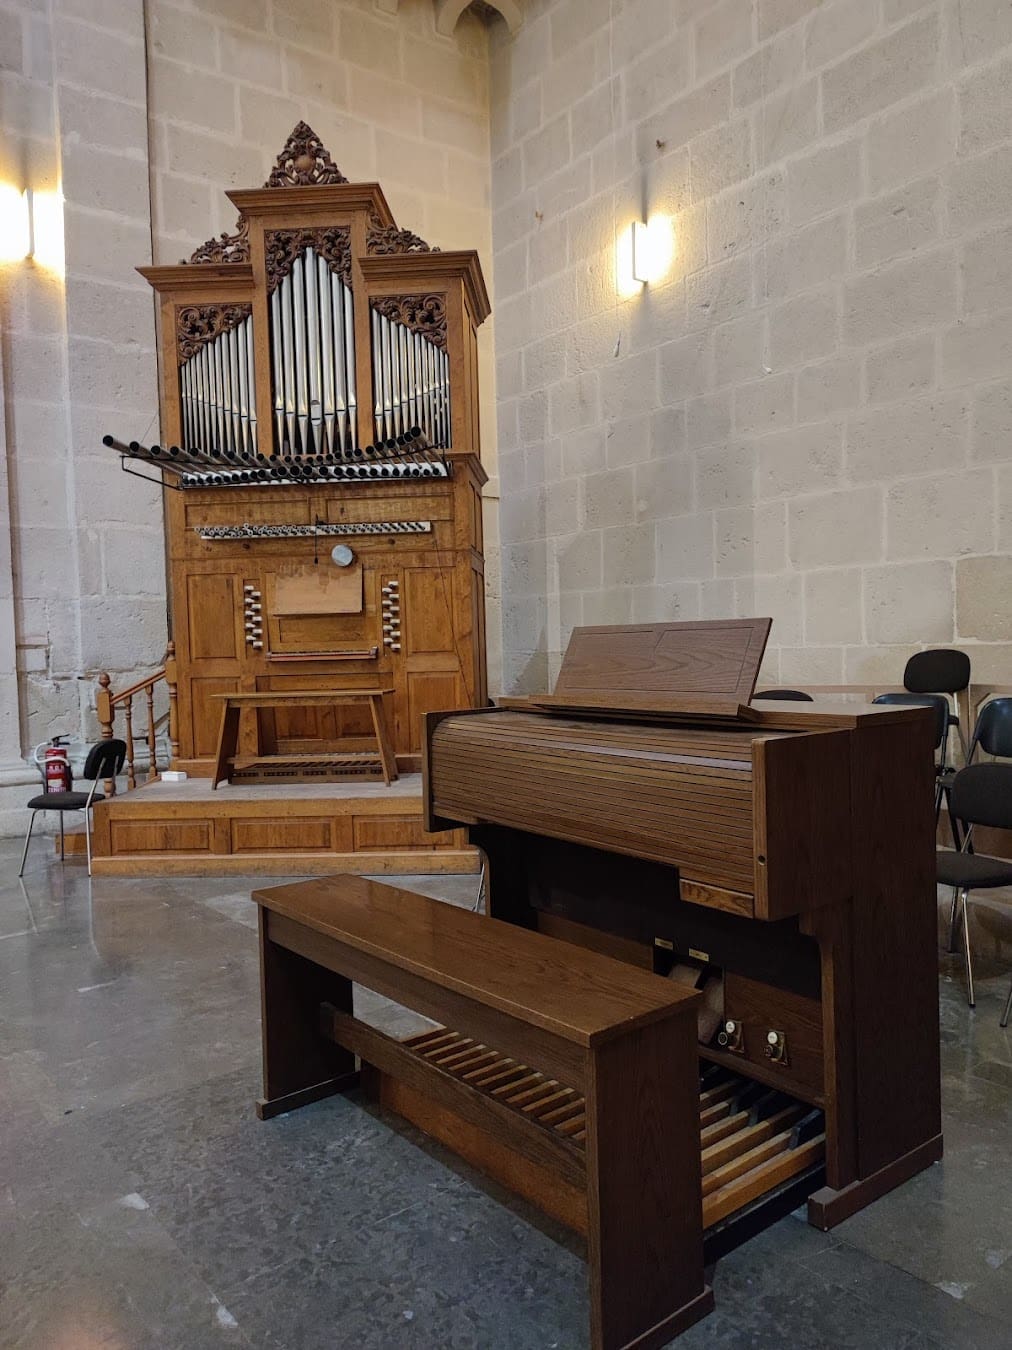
{"x":644,"y":1201}
{"x":386,"y":751}
{"x":300,"y":1065}
{"x":228,"y":744}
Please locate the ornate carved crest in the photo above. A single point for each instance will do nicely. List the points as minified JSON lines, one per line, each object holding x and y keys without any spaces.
{"x":197,"y":325}
{"x":304,"y":161}
{"x":387,"y":239}
{"x":225,"y":248}
{"x":425,"y":314}
{"x":332,"y":243}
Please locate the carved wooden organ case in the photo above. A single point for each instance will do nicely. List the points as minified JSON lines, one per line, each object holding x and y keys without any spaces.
{"x":319,"y":389}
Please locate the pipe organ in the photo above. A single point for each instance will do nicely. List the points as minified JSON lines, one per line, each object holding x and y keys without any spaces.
{"x":319,"y":407}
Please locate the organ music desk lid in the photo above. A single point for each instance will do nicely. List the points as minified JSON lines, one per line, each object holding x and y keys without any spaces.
{"x":706,"y":668}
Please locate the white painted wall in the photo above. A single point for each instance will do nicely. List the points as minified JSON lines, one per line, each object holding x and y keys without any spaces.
{"x":812,"y":416}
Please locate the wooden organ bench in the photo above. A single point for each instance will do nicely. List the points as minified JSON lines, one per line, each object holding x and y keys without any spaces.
{"x":566,"y":1074}
{"x":380,"y":763}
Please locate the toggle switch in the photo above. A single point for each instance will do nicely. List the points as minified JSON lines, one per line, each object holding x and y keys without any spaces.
{"x":775,"y":1048}
{"x":732,"y":1037}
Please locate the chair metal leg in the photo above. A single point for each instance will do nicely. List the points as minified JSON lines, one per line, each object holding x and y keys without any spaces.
{"x":87,"y":836}
{"x":953,"y":918}
{"x":944,"y":795}
{"x":966,"y":946}
{"x":962,"y":742}
{"x":28,"y":836}
{"x":1008,"y":1008}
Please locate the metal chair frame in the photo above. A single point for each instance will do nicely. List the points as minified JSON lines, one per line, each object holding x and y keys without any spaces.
{"x":914,"y":682}
{"x":958,"y":918}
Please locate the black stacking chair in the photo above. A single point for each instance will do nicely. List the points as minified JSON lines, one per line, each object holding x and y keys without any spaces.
{"x":105,"y":760}
{"x":786,"y":695}
{"x":940,"y":670}
{"x":981,"y":795}
{"x":992,"y":734}
{"x":943,"y":776}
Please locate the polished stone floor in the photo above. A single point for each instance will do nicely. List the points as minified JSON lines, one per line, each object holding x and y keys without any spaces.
{"x":143,"y":1205}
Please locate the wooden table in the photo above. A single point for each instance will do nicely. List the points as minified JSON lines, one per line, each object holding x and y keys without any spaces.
{"x":233,"y":704}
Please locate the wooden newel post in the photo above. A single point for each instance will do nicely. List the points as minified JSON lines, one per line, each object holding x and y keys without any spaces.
{"x":171,"y":680}
{"x":104,"y":713}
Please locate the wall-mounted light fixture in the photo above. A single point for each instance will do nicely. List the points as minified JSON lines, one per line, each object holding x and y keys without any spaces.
{"x":15,"y":224}
{"x":652,"y":248}
{"x":644,"y":254}
{"x":31,"y":227}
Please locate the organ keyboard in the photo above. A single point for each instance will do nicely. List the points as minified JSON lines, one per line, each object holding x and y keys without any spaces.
{"x":780,"y":859}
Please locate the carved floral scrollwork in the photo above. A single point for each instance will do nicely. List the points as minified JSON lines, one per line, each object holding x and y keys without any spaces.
{"x":331,"y":242}
{"x":425,"y":314}
{"x":197,"y":325}
{"x":384,"y":240}
{"x":303,"y":161}
{"x":225,"y":247}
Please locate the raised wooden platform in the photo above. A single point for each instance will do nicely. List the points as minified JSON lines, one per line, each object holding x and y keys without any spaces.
{"x":294,"y":829}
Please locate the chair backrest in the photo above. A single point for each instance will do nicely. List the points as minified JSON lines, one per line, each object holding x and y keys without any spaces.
{"x":788,"y":695}
{"x":937,"y":701}
{"x":105,"y":760}
{"x":993,"y":732}
{"x":982,"y":795}
{"x":941,"y":670}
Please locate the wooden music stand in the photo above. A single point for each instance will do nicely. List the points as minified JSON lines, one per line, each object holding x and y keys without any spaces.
{"x":706,"y":668}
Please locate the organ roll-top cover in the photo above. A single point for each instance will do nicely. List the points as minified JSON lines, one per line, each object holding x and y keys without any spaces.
{"x":649,"y":747}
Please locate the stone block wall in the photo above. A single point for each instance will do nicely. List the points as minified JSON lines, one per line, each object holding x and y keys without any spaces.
{"x":810,"y":415}
{"x":85,"y":544}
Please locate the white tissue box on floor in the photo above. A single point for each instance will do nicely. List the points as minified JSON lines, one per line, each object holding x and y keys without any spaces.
{"x":174,"y":776}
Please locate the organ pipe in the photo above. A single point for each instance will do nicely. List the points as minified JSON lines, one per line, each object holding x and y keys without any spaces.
{"x":312,"y":371}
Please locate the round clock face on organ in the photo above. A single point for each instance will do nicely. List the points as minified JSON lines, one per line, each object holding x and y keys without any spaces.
{"x":341,"y":555}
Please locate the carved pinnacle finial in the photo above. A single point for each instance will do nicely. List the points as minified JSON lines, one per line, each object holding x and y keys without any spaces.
{"x":304,"y":160}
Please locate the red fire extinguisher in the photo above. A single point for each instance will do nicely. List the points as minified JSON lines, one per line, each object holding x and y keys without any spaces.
{"x":57,"y":766}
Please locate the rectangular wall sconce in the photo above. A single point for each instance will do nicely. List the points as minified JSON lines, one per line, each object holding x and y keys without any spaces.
{"x":31,"y":227}
{"x":15,"y":224}
{"x":652,"y":249}
{"x":641,"y":251}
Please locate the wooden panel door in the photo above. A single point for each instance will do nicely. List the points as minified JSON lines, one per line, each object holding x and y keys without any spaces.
{"x":432,"y":674}
{"x":211,"y":651}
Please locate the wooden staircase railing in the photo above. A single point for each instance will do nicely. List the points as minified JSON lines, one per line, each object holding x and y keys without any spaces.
{"x":107,"y":703}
